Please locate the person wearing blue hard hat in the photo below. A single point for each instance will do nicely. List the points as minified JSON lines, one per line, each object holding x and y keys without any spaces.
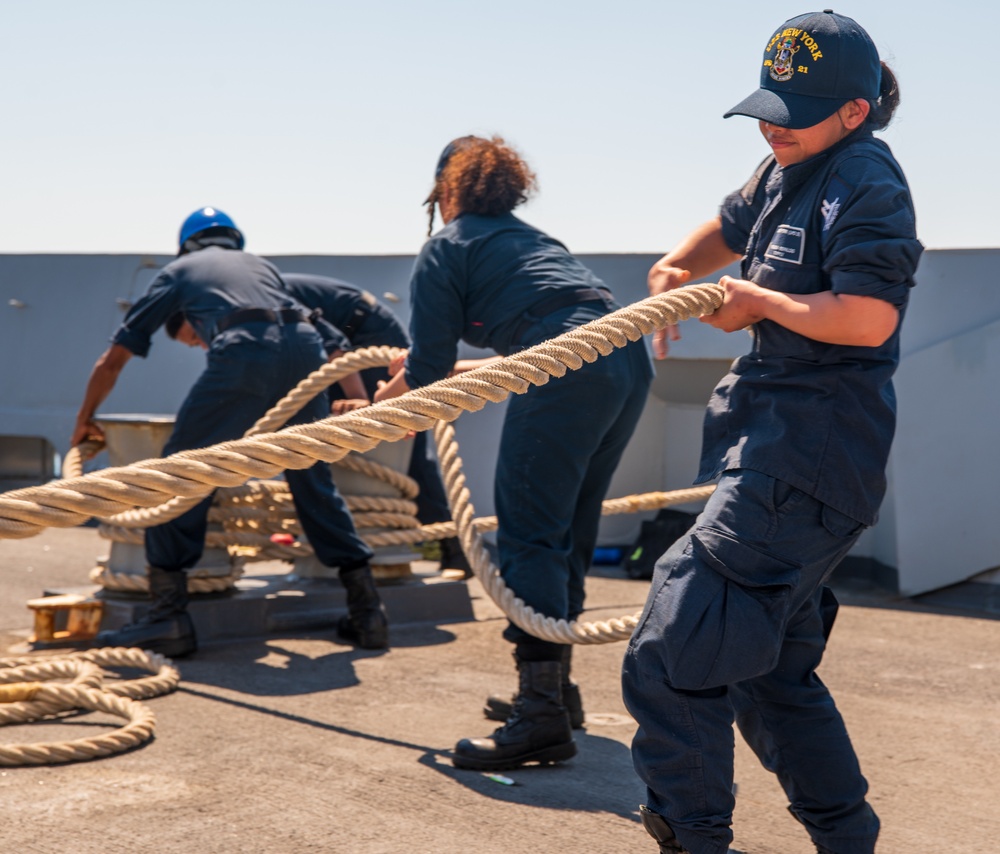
{"x":204,"y":224}
{"x":797,"y":436}
{"x":261,"y":343}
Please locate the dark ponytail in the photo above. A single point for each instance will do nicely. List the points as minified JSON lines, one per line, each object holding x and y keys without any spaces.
{"x":431,"y":203}
{"x":888,"y":99}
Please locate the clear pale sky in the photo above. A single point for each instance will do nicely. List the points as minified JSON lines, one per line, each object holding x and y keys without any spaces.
{"x":316,"y":125}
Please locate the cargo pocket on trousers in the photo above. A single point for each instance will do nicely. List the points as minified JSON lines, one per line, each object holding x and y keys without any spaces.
{"x":742,"y":614}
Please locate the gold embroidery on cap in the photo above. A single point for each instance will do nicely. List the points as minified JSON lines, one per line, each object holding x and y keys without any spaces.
{"x":781,"y":66}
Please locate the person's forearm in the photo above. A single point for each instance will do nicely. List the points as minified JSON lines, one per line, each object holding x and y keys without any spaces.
{"x":102,"y":381}
{"x":701,"y":253}
{"x":463,"y":366}
{"x":393,"y":388}
{"x":353,"y":387}
{"x":847,"y":319}
{"x":855,"y":321}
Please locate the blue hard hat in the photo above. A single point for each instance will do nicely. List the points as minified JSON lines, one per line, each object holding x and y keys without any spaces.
{"x":205,"y":218}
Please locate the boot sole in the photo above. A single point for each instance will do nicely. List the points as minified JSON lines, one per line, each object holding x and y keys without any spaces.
{"x":173,"y":649}
{"x":169,"y":647}
{"x":374,"y":640}
{"x":545,"y":756}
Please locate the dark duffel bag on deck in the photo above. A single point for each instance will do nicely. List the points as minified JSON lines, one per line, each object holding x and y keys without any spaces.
{"x":655,"y":537}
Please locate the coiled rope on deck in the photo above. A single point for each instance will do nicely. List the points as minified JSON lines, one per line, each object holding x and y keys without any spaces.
{"x":25,"y":512}
{"x":26,"y":695}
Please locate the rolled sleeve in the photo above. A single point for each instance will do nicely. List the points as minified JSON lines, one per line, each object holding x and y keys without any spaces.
{"x":871,"y":245}
{"x":137,"y":343}
{"x":159,"y":302}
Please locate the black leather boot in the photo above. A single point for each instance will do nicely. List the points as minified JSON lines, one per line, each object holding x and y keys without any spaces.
{"x":538,"y":729}
{"x":166,"y":627}
{"x":498,"y":708}
{"x":452,"y":557}
{"x":365,"y":624}
{"x":657,"y":827}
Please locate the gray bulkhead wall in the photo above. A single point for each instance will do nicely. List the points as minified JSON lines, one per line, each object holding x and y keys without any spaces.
{"x":57,"y":313}
{"x":940,"y":524}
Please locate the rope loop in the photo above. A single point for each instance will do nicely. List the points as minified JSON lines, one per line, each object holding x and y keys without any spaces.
{"x":193,"y":474}
{"x":26,"y":695}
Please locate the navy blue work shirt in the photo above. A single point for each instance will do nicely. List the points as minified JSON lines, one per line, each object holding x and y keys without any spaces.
{"x":353,"y":311}
{"x":474,"y":280}
{"x":206,"y":286}
{"x":818,"y":416}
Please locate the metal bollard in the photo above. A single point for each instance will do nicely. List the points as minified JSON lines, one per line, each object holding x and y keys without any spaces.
{"x":129,"y":439}
{"x":389,"y":562}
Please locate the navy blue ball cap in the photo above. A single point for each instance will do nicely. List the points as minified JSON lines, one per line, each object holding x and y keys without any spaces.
{"x":449,"y":152}
{"x":813,"y":65}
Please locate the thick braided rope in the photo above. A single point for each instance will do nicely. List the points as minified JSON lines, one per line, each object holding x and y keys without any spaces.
{"x":76,"y":456}
{"x":275,"y":418}
{"x":251,"y":513}
{"x":470,"y":531}
{"x":164,"y":679}
{"x":260,"y":539}
{"x":25,"y":697}
{"x":259,"y":492}
{"x":67,"y":503}
{"x":319,"y":380}
{"x":127,"y":527}
{"x":197,"y":580}
{"x":403,"y":484}
{"x":139,"y":729}
{"x":84,"y":673}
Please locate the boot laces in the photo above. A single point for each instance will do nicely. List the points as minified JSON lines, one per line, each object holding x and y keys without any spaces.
{"x":515,"y":716}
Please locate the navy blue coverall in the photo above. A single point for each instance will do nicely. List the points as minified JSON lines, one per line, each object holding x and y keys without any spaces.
{"x":251,"y":366}
{"x":498,"y":282}
{"x":798,"y":433}
{"x":367,"y":323}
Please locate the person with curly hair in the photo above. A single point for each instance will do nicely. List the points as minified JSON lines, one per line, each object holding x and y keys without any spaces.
{"x":492,"y":280}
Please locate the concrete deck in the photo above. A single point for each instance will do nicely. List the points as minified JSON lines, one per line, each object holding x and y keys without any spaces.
{"x":293,"y":742}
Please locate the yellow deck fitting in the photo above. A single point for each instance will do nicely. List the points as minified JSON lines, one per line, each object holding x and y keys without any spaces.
{"x":70,"y":616}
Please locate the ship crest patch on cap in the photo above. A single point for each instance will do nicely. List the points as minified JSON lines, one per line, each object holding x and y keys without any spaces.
{"x":785,"y":45}
{"x":782,"y":66}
